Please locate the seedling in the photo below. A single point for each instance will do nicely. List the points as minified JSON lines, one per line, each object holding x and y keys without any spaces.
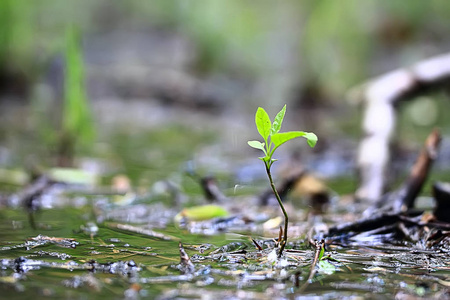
{"x":273,"y":139}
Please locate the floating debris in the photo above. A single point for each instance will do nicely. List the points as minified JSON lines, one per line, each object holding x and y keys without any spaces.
{"x":186,"y":266}
{"x":43,"y":240}
{"x":219,"y":225}
{"x":140,"y":230}
{"x":88,"y":280}
{"x":90,"y":228}
{"x":62,"y":256}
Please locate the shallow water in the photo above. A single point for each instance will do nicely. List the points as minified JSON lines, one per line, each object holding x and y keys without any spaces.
{"x":71,"y":255}
{"x":90,"y":244}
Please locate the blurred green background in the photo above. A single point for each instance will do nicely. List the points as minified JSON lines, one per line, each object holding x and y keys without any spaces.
{"x":141,"y":87}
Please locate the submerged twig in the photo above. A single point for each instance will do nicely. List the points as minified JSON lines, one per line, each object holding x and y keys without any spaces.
{"x":319,"y":249}
{"x":186,"y":265}
{"x":29,"y":196}
{"x":257,"y":245}
{"x":318,"y":254}
{"x":143,"y":231}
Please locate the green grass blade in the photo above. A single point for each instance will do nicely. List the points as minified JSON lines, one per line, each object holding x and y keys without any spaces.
{"x":77,"y":118}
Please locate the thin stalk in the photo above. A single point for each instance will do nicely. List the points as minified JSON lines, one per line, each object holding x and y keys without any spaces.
{"x":286,"y":218}
{"x":318,"y":255}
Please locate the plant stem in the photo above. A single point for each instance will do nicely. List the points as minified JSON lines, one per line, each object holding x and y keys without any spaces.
{"x":286,"y":219}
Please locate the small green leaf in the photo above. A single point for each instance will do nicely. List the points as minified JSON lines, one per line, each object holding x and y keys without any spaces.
{"x":276,"y":126}
{"x":257,"y":145}
{"x":204,"y":212}
{"x":322,"y":251}
{"x":263,"y":123}
{"x":312,"y":139}
{"x":281,"y":138}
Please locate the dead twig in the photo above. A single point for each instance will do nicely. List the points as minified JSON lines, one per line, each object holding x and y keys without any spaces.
{"x":280,"y":236}
{"x":257,"y":245}
{"x":143,"y":231}
{"x":186,"y":266}
{"x":29,"y":197}
{"x":403,"y":199}
{"x":380,"y":97}
{"x":419,"y":172}
{"x":319,"y":249}
{"x":441,"y":193}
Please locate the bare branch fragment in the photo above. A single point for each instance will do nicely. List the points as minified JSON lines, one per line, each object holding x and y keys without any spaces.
{"x":441,"y":193}
{"x":186,"y":266}
{"x":380,"y":96}
{"x":403,"y":198}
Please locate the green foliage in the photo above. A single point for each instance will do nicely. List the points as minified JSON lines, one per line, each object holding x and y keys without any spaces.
{"x":263,"y":123}
{"x":77,"y":121}
{"x":221,"y":28}
{"x":70,"y":127}
{"x":272,"y":137}
{"x":278,"y":121}
{"x":16,"y":32}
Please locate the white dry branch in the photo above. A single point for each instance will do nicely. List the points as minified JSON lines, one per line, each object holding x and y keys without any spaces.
{"x":380,"y":96}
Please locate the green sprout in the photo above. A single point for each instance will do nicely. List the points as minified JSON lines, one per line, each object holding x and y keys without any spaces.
{"x":272,"y":140}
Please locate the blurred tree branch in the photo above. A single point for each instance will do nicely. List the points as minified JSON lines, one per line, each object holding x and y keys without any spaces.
{"x":380,"y":97}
